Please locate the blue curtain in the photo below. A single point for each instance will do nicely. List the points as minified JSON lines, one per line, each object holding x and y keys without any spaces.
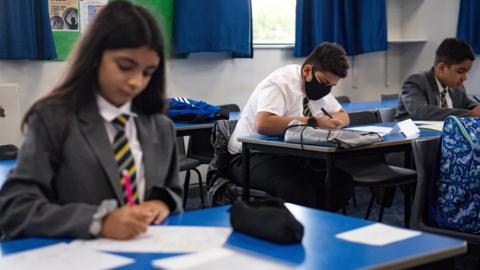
{"x":468,"y":27}
{"x":360,"y":26}
{"x":25,"y":31}
{"x":213,"y":26}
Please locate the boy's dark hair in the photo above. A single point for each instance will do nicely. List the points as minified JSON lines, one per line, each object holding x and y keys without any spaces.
{"x":453,"y":51}
{"x":329,"y":57}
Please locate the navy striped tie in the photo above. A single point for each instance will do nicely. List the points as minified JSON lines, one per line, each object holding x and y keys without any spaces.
{"x":124,"y":159}
{"x":306,"y":108}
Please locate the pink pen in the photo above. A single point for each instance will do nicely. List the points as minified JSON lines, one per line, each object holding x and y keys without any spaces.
{"x":128,"y":188}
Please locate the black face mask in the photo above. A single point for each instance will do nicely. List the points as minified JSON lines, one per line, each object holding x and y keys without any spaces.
{"x":315,"y":90}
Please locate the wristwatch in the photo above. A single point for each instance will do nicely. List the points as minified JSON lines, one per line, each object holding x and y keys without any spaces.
{"x":312,"y":122}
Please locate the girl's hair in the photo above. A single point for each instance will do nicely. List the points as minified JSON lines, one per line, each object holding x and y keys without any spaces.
{"x":119,"y":25}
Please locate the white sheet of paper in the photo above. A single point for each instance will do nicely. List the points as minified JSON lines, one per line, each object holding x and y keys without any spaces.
{"x":376,"y":129}
{"x":407,"y":127}
{"x":377,"y":235}
{"x":220,"y":258}
{"x":62,"y":256}
{"x":422,"y":122}
{"x":168,"y":239}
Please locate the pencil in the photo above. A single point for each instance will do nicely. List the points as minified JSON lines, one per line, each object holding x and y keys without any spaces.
{"x":326,"y":113}
{"x":128,"y":188}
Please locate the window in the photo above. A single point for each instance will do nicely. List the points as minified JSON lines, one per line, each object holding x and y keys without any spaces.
{"x":273,"y":22}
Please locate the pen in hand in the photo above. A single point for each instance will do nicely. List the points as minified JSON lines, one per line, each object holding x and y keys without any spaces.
{"x":326,"y":113}
{"x":476,"y":98}
{"x":128,"y":188}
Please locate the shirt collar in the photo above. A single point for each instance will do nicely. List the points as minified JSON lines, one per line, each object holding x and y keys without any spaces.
{"x":439,"y":85}
{"x":110,"y":112}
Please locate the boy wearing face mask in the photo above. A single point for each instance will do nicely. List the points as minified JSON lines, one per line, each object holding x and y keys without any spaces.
{"x":291,"y":92}
{"x":439,"y":92}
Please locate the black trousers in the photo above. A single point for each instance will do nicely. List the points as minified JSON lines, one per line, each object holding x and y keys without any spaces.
{"x":296,"y":180}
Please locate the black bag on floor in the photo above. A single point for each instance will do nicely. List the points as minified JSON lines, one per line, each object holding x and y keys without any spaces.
{"x":267,"y":219}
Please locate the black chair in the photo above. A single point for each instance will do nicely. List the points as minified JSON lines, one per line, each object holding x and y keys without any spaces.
{"x":343,"y":99}
{"x":200,"y":151}
{"x":425,"y":154}
{"x":388,"y":96}
{"x":199,"y":144}
{"x":374,"y":172}
{"x":8,"y":151}
{"x":222,"y":189}
{"x":188,"y":164}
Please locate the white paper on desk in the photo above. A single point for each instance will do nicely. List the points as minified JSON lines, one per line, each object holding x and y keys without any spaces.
{"x":377,"y":129}
{"x":407,"y":127}
{"x":220,"y":258}
{"x":433,"y":125}
{"x":377,"y":235}
{"x":422,"y":122}
{"x":62,"y":256}
{"x":167,"y":239}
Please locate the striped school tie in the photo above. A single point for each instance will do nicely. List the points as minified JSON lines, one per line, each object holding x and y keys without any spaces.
{"x":443,"y":98}
{"x":124,"y":159}
{"x":306,"y":109}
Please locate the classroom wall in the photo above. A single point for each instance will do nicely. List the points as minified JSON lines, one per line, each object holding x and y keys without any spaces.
{"x":219,"y":79}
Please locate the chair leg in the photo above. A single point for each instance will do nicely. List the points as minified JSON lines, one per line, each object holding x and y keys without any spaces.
{"x":384,"y":201}
{"x":200,"y":185}
{"x":408,"y":205}
{"x":354,"y":199}
{"x":370,"y":204}
{"x":186,"y":185}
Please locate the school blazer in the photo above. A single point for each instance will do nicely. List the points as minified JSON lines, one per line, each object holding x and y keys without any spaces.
{"x":55,"y":193}
{"x":420,"y":99}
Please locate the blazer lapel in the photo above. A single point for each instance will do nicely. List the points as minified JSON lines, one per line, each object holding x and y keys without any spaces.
{"x":434,"y":94}
{"x":147,"y":135}
{"x":93,"y":129}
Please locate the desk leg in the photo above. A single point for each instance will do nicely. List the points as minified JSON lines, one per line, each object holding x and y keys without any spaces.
{"x":246,"y":172}
{"x":328,"y":189}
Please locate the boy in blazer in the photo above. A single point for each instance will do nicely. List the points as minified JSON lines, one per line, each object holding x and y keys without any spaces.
{"x":439,"y":92}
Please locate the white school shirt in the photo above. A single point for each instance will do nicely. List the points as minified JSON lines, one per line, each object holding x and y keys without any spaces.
{"x":279,"y":93}
{"x":440,"y":90}
{"x":110,"y":112}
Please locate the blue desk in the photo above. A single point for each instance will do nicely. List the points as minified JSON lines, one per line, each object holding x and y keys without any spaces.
{"x":370,"y":105}
{"x":5,"y":167}
{"x":328,"y":152}
{"x":318,"y":250}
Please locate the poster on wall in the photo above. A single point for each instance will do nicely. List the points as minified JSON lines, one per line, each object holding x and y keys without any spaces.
{"x":88,"y":10}
{"x":63,"y":15}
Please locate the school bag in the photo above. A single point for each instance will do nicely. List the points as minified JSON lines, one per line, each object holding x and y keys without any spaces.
{"x":455,"y":202}
{"x":186,"y":110}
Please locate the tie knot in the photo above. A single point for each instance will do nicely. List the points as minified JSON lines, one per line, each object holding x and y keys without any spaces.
{"x":120,"y":121}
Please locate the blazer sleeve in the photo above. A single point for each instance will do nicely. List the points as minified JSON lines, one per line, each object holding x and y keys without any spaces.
{"x":27,"y":199}
{"x":417,"y":102}
{"x":171,"y":192}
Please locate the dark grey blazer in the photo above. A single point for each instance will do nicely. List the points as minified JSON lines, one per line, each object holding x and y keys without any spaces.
{"x":55,"y":193}
{"x":420,"y":99}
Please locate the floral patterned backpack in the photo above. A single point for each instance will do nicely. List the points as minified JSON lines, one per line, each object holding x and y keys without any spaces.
{"x":456,"y":198}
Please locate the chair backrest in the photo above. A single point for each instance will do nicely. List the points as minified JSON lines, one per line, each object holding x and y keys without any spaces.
{"x":426,"y":155}
{"x":388,"y":115}
{"x":343,"y":99}
{"x":181,"y":148}
{"x":388,"y":96}
{"x":199,"y":144}
{"x":365,"y":117}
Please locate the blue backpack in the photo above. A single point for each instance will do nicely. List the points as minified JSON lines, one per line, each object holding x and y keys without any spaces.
{"x":185,"y":110}
{"x":456,"y":198}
